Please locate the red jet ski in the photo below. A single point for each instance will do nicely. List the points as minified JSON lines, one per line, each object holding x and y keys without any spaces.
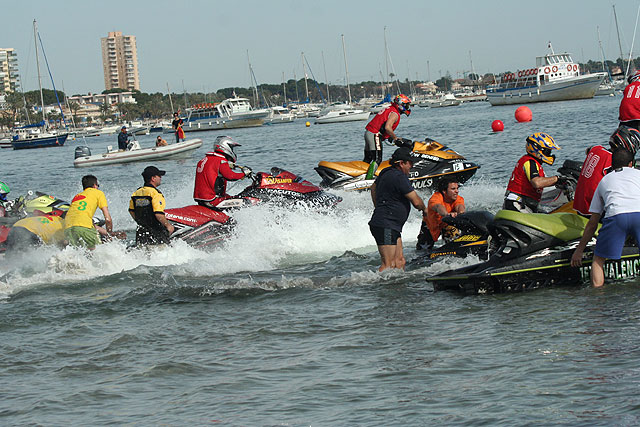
{"x":202,"y":227}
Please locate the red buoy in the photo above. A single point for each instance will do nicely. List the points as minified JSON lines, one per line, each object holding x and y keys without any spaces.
{"x":497,"y":126}
{"x":523,"y":114}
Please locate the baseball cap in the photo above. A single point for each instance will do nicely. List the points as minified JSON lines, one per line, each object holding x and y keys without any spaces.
{"x":151,"y":171}
{"x":402,"y":153}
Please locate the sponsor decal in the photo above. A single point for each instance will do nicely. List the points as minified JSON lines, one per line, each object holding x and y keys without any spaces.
{"x":467,"y":238}
{"x":422,"y":183}
{"x":273,"y":180}
{"x":615,"y":270}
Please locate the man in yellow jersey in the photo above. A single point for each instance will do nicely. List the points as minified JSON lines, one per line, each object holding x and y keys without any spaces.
{"x":79,"y":229}
{"x":34,"y":231}
{"x":147,"y":209}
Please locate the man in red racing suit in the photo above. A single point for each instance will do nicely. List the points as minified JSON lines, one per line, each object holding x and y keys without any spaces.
{"x":382,"y":127}
{"x":213,"y":172}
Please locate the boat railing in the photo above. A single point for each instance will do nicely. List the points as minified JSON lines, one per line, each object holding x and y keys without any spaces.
{"x":518,"y":83}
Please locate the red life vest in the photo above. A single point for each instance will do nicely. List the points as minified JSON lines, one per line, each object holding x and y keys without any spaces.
{"x":593,"y":169}
{"x":520,"y":184}
{"x":630,"y":104}
{"x":380,"y":120}
{"x":212,"y":174}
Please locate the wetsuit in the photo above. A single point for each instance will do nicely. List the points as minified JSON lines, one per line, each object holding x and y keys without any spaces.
{"x":145,"y":203}
{"x":375,"y":133}
{"x":212,"y":174}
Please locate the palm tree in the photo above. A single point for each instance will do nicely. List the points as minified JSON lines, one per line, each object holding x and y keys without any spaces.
{"x":105,"y":111}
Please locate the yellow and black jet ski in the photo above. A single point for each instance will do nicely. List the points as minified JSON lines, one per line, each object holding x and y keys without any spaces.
{"x":434,"y":161}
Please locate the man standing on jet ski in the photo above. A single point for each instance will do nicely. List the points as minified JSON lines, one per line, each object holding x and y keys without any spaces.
{"x":527,"y":179}
{"x":383,"y":126}
{"x":392,"y":196}
{"x":213,"y":172}
{"x":617,"y":200}
{"x":629,"y":112}
{"x":598,"y":161}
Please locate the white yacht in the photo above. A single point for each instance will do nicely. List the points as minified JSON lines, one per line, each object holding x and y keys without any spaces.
{"x":554,"y":78}
{"x":231,"y":113}
{"x":279,"y":114}
{"x":336,"y":113}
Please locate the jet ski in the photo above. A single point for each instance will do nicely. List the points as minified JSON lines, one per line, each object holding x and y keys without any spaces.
{"x":202,"y":227}
{"x":469,"y":233}
{"x":434,"y":162}
{"x":32,"y":204}
{"x":530,"y":251}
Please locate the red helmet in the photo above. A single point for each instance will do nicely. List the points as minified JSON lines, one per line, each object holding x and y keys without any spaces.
{"x":404,"y":103}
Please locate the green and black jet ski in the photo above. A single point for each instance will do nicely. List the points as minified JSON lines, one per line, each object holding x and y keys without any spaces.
{"x":530,"y":251}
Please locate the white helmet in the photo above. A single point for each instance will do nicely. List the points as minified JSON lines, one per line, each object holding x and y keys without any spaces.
{"x":224,"y":145}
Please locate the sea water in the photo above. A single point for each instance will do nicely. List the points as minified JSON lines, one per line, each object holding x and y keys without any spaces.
{"x":289,"y":323}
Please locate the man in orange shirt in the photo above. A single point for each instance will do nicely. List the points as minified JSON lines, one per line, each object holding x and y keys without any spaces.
{"x":444,"y":202}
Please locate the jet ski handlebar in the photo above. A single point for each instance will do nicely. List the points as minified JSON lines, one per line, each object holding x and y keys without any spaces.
{"x":401,"y":142}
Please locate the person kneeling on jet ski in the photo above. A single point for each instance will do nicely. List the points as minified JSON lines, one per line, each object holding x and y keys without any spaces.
{"x":444,"y":202}
{"x":213,"y":172}
{"x":33,"y":231}
{"x":382,"y":127}
{"x":527,"y":179}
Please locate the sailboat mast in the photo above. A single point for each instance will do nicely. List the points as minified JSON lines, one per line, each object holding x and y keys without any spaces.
{"x":346,"y":68}
{"x":615,"y":17}
{"x":601,"y":51}
{"x":306,"y":85}
{"x":325,"y":78}
{"x":284,"y":91}
{"x":170,"y":101}
{"x":35,"y":39}
{"x":386,"y":60}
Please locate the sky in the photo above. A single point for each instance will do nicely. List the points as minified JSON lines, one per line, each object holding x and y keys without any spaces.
{"x":203,"y":46}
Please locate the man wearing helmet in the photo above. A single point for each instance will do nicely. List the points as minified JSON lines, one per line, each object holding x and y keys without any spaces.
{"x":5,"y":204}
{"x":383,"y":126}
{"x":629,"y":112}
{"x":598,"y":162}
{"x":213,"y":172}
{"x":527,"y":179}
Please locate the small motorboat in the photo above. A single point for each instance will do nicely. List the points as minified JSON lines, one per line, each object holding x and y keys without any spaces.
{"x":134,"y":153}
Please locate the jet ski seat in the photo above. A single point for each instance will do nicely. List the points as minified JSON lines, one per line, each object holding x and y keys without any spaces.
{"x":355,"y":168}
{"x":565,"y":226}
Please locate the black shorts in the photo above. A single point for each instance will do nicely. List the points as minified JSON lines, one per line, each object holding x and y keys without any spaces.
{"x":384,"y":236}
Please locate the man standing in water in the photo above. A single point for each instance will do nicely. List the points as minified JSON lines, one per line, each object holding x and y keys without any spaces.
{"x":79,"y":229}
{"x":617,"y":200}
{"x":392,"y":196}
{"x":147,"y":209}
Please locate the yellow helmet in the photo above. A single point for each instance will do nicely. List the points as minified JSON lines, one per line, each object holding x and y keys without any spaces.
{"x":539,"y":146}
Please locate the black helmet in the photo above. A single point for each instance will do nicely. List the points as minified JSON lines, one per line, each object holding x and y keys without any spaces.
{"x":626,"y":138}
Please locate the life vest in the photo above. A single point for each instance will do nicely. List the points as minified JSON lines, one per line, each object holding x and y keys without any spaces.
{"x":212,"y":174}
{"x":630,"y":104}
{"x":593,"y":170}
{"x":520,"y":184}
{"x":380,"y":120}
{"x":145,"y":202}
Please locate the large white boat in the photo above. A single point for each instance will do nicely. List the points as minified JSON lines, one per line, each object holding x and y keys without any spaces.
{"x":341,"y":113}
{"x":279,"y":114}
{"x":84,"y":158}
{"x":231,"y":113}
{"x":446,"y":100}
{"x":555,"y":78}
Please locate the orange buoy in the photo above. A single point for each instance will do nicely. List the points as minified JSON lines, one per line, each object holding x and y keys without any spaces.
{"x":523,"y":114}
{"x":497,"y":126}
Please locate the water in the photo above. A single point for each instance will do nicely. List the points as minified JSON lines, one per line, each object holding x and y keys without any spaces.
{"x":290,"y":324}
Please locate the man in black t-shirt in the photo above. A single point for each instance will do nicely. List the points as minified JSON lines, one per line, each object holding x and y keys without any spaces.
{"x":392,"y":196}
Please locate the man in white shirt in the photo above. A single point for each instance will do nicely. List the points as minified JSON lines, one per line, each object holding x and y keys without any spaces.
{"x":617,"y":200}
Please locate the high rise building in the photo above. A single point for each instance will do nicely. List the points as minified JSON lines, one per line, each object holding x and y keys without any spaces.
{"x":120,"y":61}
{"x":9,"y":77}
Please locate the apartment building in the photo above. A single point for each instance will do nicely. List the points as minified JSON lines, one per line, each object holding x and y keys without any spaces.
{"x":9,"y":78}
{"x":120,"y":61}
